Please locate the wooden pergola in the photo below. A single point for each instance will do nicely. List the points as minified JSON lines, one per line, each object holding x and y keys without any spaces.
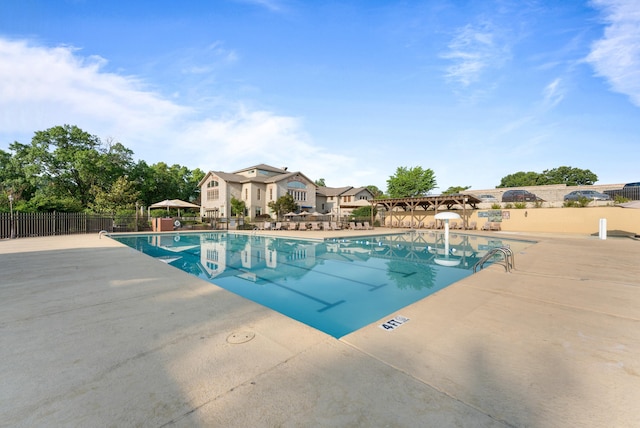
{"x":427,"y":203}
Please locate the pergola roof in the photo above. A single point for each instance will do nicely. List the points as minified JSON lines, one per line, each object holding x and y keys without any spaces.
{"x":429,"y":202}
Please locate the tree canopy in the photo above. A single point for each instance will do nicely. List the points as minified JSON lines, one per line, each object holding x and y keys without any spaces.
{"x":453,"y":190}
{"x":411,"y":182}
{"x":67,"y":169}
{"x":283,"y":205}
{"x":561,"y":175}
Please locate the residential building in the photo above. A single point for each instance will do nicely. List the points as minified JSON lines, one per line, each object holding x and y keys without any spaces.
{"x":256,"y":186}
{"x":260,"y":184}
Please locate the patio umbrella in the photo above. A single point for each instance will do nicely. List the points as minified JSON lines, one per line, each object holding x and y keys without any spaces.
{"x":291,"y":214}
{"x":174,"y":203}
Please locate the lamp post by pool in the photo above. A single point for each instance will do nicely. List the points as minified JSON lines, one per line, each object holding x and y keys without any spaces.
{"x":13,"y":229}
{"x":446,"y":216}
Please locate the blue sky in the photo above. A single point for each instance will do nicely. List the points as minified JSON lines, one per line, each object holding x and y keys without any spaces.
{"x":345,"y":91}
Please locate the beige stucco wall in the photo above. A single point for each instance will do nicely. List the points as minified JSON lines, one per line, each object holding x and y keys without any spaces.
{"x":558,"y":220}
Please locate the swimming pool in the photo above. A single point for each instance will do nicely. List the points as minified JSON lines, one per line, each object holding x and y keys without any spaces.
{"x":336,"y":285}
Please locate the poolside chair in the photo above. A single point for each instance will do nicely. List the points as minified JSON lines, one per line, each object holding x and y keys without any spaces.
{"x":472,"y":226}
{"x":366,"y":225}
{"x":334,"y":225}
{"x":278,"y":226}
{"x":495,"y":226}
{"x":267,"y":225}
{"x":453,"y":225}
{"x":326,"y":225}
{"x":315,"y":225}
{"x":431,"y":225}
{"x":352,"y":225}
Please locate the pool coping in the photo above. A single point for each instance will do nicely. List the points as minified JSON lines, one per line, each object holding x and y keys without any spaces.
{"x":94,"y":339}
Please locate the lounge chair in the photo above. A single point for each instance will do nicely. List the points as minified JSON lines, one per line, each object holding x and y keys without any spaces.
{"x":472,"y":226}
{"x":453,"y":225}
{"x":366,"y":225}
{"x":495,"y":226}
{"x":334,"y":225}
{"x":431,"y":225}
{"x":326,"y":225}
{"x":278,"y":226}
{"x":352,"y":225}
{"x":267,"y":225}
{"x":315,"y":225}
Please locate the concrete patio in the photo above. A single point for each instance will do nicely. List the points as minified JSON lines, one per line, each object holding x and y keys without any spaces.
{"x":97,"y":334}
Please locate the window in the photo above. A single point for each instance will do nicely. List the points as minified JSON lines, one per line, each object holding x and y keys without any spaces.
{"x":298,"y":190}
{"x":258,"y":194}
{"x":271,"y":194}
{"x":212,"y":183}
{"x":213,"y":194}
{"x":246,"y":194}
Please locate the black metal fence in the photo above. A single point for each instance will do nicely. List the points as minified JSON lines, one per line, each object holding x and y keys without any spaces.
{"x":20,"y":225}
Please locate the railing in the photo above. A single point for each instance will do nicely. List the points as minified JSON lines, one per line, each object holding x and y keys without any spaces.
{"x":505,"y":252}
{"x":22,"y":225}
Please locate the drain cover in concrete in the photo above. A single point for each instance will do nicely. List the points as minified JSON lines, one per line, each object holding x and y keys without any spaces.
{"x":240,"y":337}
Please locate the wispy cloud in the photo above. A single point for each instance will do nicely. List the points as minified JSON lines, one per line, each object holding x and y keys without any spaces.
{"x":42,"y":87}
{"x":616,"y":56}
{"x":553,"y":93}
{"x":272,"y":5}
{"x":473,"y":50}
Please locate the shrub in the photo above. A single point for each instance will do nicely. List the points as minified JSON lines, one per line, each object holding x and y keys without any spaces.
{"x":520,"y":205}
{"x":620,"y":199}
{"x":495,"y":206}
{"x":508,"y":206}
{"x":580,"y":203}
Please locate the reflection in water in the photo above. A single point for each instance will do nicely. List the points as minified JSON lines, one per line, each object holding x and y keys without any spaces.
{"x":336,"y":285}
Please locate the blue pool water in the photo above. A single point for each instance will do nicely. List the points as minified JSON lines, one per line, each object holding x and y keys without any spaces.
{"x":335,"y":285}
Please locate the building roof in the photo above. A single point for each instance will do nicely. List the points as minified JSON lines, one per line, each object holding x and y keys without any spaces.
{"x":333,"y":191}
{"x":263,"y":167}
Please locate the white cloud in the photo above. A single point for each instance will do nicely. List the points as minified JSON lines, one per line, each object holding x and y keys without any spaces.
{"x":42,"y":87}
{"x":616,"y":56}
{"x":553,"y":93}
{"x":472,"y":51}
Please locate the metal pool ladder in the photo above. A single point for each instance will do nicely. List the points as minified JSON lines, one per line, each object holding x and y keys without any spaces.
{"x":505,"y":252}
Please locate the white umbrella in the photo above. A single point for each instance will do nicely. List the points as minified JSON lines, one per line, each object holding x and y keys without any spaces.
{"x":174,"y":203}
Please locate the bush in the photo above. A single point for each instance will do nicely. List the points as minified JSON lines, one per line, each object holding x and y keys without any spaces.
{"x":520,"y":205}
{"x":495,"y":206}
{"x":508,"y":206}
{"x":620,"y":199}
{"x":580,"y":203}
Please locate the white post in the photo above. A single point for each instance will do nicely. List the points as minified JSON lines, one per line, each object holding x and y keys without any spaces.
{"x":603,"y":228}
{"x":446,"y":238}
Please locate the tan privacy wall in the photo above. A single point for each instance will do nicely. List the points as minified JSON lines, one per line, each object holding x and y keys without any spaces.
{"x":553,"y":220}
{"x":571,"y":220}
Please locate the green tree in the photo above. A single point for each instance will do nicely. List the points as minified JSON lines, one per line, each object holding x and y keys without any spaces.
{"x":363,"y":212}
{"x":238,"y":207}
{"x":320,"y":182}
{"x":377,"y":193}
{"x":121,"y":195}
{"x":161,"y":181}
{"x":520,"y":179}
{"x":283,"y":205}
{"x":561,"y":175}
{"x":569,"y":176}
{"x":409,"y":183}
{"x":454,"y":190}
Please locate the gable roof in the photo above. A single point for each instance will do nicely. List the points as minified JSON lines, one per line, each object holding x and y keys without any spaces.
{"x":234,"y":177}
{"x":332,"y":191}
{"x":263,"y":167}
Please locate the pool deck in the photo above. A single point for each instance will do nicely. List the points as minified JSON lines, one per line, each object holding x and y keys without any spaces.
{"x":95,"y":334}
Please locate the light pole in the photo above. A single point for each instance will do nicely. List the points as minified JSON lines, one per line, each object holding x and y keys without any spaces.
{"x":13,"y":229}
